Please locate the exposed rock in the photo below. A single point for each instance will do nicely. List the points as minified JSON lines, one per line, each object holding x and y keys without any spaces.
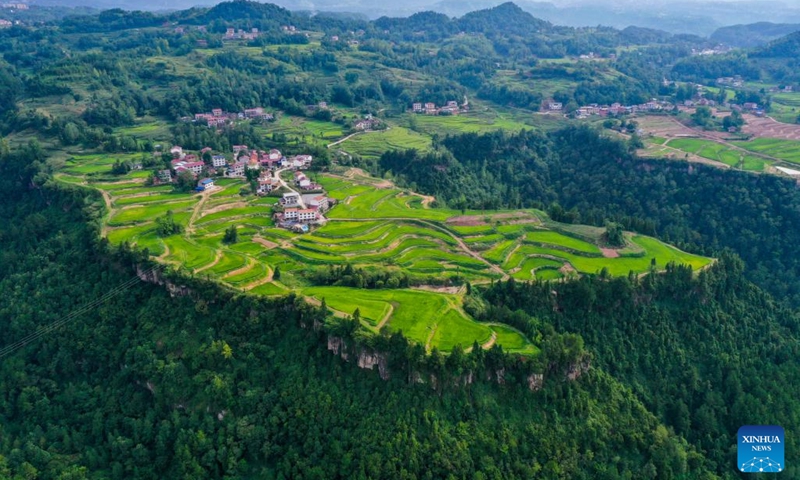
{"x":535,"y":381}
{"x":221,"y":415}
{"x":368,"y":360}
{"x":153,"y":275}
{"x":577,"y":369}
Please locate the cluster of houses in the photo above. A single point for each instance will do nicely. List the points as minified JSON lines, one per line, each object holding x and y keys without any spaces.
{"x":233,"y":34}
{"x":217,"y":117}
{"x":244,"y":159}
{"x":613,"y":109}
{"x":430,"y":108}
{"x":367,"y":123}
{"x":735,"y":81}
{"x":5,"y":23}
{"x":15,"y":6}
{"x":782,"y":89}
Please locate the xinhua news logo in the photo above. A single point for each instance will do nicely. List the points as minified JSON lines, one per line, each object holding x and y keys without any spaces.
{"x":761,"y":449}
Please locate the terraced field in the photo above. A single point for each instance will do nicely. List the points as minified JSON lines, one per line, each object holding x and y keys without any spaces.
{"x":719,"y":152}
{"x":788,"y":150}
{"x":373,"y":226}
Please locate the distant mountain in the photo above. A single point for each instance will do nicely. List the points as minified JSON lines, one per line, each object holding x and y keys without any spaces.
{"x":507,"y":17}
{"x":786,"y":47}
{"x":753,"y":34}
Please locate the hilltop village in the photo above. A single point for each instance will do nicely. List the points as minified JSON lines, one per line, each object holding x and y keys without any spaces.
{"x":302,"y":202}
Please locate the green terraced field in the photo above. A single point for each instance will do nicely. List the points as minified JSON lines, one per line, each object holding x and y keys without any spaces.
{"x":373,"y":144}
{"x":788,"y":150}
{"x":720,"y":153}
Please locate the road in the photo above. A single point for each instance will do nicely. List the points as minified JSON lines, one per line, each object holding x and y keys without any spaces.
{"x":287,"y":187}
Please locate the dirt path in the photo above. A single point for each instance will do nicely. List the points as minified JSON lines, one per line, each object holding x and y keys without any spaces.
{"x":342,"y":140}
{"x":386,"y":317}
{"x":266,"y":243}
{"x":197,"y":209}
{"x":217,"y":258}
{"x":491,"y":342}
{"x":110,"y":212}
{"x":249,"y":266}
{"x":318,"y":303}
{"x":258,"y":283}
{"x":430,"y":338}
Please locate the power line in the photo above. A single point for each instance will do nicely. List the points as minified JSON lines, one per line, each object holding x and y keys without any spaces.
{"x":42,"y":331}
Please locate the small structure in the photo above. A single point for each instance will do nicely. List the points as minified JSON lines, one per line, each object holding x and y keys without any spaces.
{"x":206,"y":183}
{"x":290,"y":199}
{"x":165,"y":175}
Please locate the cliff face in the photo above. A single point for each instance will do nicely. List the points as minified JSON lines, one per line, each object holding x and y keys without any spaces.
{"x":368,"y":359}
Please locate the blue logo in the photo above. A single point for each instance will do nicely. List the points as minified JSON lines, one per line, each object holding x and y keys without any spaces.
{"x":761,"y":449}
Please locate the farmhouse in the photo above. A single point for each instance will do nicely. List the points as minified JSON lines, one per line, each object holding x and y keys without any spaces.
{"x":319,"y":202}
{"x":306,"y":215}
{"x":267,"y":185}
{"x":290,"y":199}
{"x":555,"y":106}
{"x":165,"y":175}
{"x":417,"y":107}
{"x":237,"y":169}
{"x":290,"y":214}
{"x":219,"y":161}
{"x":176,"y":151}
{"x":204,"y":184}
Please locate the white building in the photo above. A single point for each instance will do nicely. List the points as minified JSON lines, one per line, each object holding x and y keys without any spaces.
{"x":219,"y":161}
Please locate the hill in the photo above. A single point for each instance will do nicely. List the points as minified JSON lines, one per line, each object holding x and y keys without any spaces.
{"x":786,"y":47}
{"x":753,"y":34}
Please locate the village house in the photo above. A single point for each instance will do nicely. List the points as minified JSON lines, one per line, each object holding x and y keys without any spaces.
{"x":266,"y":185}
{"x":307,"y":215}
{"x":320,"y":202}
{"x":219,"y":161}
{"x":290,"y":199}
{"x":165,"y":175}
{"x":176,"y":151}
{"x":417,"y":107}
{"x":237,"y":169}
{"x":555,"y":106}
{"x":290,"y":214}
{"x":194,"y":167}
{"x":204,"y":184}
{"x":750,"y":106}
{"x":430,"y":109}
{"x":301,"y":180}
{"x":239,"y":148}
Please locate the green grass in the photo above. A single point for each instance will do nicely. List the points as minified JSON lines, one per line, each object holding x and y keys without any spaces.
{"x":512,"y":340}
{"x":235,"y":212}
{"x":418,"y":314}
{"x":550,"y":237}
{"x":269,"y":289}
{"x":190,"y":255}
{"x":145,"y":199}
{"x":228,"y":263}
{"x":788,"y":150}
{"x":455,"y":329}
{"x":258,"y":271}
{"x":149,"y":212}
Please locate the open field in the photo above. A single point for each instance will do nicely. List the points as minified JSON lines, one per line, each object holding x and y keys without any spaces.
{"x":719,"y":152}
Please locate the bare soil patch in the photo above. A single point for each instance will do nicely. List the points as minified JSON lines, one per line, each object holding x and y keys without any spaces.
{"x":266,"y":243}
{"x":610,"y":252}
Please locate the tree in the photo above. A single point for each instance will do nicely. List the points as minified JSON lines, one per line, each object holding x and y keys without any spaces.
{"x":231,"y":235}
{"x":185,"y":181}
{"x":702,"y":116}
{"x":276,"y":274}
{"x":613,"y":235}
{"x":166,"y":225}
{"x":734,"y":120}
